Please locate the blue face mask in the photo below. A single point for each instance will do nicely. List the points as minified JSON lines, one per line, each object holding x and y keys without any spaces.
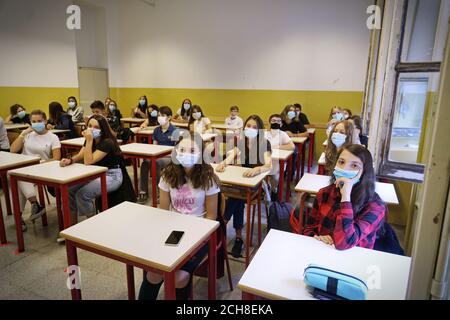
{"x":142,"y":102}
{"x":96,"y":133}
{"x":291,"y":115}
{"x":38,"y":126}
{"x":154,"y":114}
{"x":340,"y":173}
{"x":338,"y":139}
{"x":112,"y":107}
{"x":21,"y":114}
{"x":338,"y":116}
{"x":186,"y":106}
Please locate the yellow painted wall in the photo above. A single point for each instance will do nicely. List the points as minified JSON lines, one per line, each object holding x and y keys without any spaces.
{"x":33,"y":98}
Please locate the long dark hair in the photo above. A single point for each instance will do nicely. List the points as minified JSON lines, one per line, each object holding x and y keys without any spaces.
{"x":261,"y":141}
{"x":55,"y":111}
{"x":106,"y":133}
{"x":364,"y":191}
{"x":202,"y":174}
{"x":284,"y":113}
{"x":191,"y":119}
{"x":152,"y":121}
{"x":13,"y":109}
{"x":183,"y":111}
{"x":145,"y":107}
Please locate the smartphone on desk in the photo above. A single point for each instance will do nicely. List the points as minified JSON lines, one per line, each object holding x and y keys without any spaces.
{"x":174,"y":238}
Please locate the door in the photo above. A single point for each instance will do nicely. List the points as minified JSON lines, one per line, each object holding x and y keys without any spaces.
{"x":93,"y":83}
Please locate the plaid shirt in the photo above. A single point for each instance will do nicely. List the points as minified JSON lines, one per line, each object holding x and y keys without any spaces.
{"x":330,"y":216}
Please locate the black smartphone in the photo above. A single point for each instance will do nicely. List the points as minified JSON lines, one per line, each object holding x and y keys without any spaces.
{"x":174,"y":238}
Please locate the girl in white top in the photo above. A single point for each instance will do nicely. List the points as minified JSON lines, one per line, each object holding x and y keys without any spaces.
{"x":75,"y":111}
{"x":35,"y":141}
{"x":279,"y":140}
{"x":189,"y":186}
{"x":198,"y":122}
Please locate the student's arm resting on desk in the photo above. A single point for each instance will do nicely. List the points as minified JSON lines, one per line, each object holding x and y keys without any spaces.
{"x":350,"y":231}
{"x":288,"y":146}
{"x":261,"y":169}
{"x":232,"y":155}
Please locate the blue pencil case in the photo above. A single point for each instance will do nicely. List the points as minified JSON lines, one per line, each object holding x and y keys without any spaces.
{"x":335,"y":283}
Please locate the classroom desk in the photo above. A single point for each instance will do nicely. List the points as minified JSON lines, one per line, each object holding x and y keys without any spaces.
{"x":300,"y":145}
{"x":224,"y":127}
{"x":11,"y":161}
{"x":59,"y":132}
{"x":18,"y":126}
{"x":132,"y":121}
{"x":183,"y":125}
{"x":73,"y":145}
{"x":321,"y":164}
{"x":51,"y":174}
{"x":276,"y":271}
{"x":312,"y":183}
{"x":312,"y":138}
{"x":151,"y":152}
{"x":233,"y":177}
{"x":135,"y":235}
{"x":142,"y":134}
{"x":283,"y":156}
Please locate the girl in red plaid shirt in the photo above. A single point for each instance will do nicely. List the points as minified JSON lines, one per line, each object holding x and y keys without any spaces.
{"x":349,"y":212}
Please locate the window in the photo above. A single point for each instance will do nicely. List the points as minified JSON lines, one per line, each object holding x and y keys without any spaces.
{"x":419,"y":54}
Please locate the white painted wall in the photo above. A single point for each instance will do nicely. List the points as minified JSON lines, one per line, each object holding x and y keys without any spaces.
{"x":232,"y":44}
{"x":36,"y":49}
{"x":241,"y":44}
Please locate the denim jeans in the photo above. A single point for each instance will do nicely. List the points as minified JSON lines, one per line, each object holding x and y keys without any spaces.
{"x":82,"y":196}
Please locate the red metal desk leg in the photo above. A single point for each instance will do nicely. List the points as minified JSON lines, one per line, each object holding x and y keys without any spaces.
{"x":281,"y":181}
{"x":17,"y":214}
{"x":247,"y":229}
{"x":169,"y":285}
{"x":104,"y":192}
{"x":130,"y":283}
{"x":212,"y":261}
{"x":135,"y":176}
{"x":65,"y":206}
{"x":289,"y":177}
{"x":6,"y":193}
{"x":154,"y":182}
{"x":72,"y":260}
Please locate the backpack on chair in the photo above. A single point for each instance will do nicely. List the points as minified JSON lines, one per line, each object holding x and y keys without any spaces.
{"x":279,"y":216}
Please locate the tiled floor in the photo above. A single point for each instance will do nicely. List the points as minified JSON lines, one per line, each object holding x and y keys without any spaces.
{"x":38,"y":273}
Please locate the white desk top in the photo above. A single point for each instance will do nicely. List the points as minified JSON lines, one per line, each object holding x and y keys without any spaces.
{"x":311,"y":130}
{"x":223,"y":126}
{"x":145,"y":149}
{"x":234,"y":175}
{"x":278,"y":154}
{"x":9,"y":160}
{"x":138,"y":233}
{"x":208,"y":136}
{"x":312,"y":183}
{"x":132,"y":120}
{"x":57,"y":131}
{"x":145,"y":131}
{"x":79,"y":142}
{"x":52,"y":172}
{"x":322,"y":159}
{"x":18,"y":126}
{"x":276,"y":271}
{"x":299,"y":139}
{"x":180,"y":124}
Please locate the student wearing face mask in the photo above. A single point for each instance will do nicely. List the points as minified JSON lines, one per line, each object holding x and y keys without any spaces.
{"x":301,"y":116}
{"x":256,"y":156}
{"x":341,"y":135}
{"x":291,"y":124}
{"x":75,"y":111}
{"x":278,"y":140}
{"x":35,"y":141}
{"x":101,"y":149}
{"x":165,"y":135}
{"x":349,"y":212}
{"x":188,"y":186}
{"x":357,"y":122}
{"x":152,"y":117}
{"x":183,"y":114}
{"x":18,"y":115}
{"x":234,"y":122}
{"x":198,"y":122}
{"x":347,"y":113}
{"x":114,"y":115}
{"x":336,"y":115}
{"x":140,"y":111}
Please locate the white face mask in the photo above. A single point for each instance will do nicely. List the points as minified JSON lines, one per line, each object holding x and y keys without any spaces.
{"x":197,"y":115}
{"x":187,"y":160}
{"x":186,"y":106}
{"x":72,"y":104}
{"x":162,"y":121}
{"x":251,"y":133}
